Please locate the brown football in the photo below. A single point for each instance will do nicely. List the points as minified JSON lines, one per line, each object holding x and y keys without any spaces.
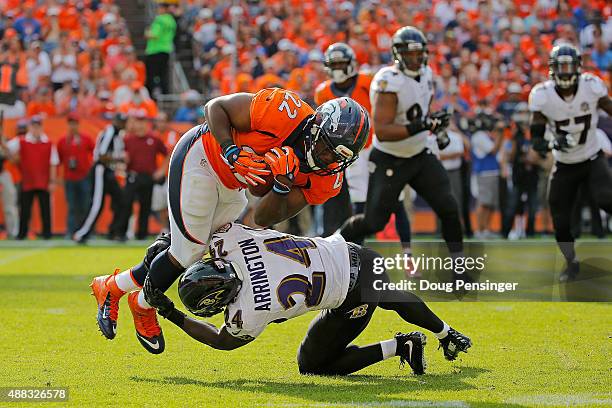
{"x":261,"y":190}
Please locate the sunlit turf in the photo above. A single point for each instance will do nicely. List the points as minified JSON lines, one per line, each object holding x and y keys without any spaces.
{"x":524,"y":354}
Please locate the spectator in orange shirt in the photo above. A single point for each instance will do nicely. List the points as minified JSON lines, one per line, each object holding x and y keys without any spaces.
{"x":134,"y":64}
{"x":140,"y":102}
{"x":270,"y":78}
{"x":66,"y":98}
{"x":223,"y":66}
{"x":41,"y":104}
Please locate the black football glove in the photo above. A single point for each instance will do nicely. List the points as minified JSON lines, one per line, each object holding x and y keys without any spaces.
{"x":563,"y":142}
{"x":438,"y":121}
{"x":540,"y":145}
{"x":417,"y":125}
{"x":157,"y":299}
{"x":443,"y":140}
{"x":161,"y":243}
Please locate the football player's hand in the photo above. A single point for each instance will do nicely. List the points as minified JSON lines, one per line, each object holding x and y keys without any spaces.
{"x":443,"y":140}
{"x":157,"y":299}
{"x":285,"y":166}
{"x":161,"y":243}
{"x":439,"y":121}
{"x":564,"y":142}
{"x":249,"y":165}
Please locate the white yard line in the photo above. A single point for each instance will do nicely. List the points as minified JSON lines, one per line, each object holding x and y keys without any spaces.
{"x":15,"y":257}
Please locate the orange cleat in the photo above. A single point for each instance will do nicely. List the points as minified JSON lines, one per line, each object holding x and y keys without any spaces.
{"x":148,"y":330}
{"x":107,"y":294}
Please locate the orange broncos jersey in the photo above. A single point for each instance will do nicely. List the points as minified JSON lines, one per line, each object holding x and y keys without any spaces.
{"x":360,"y":93}
{"x":275,"y":114}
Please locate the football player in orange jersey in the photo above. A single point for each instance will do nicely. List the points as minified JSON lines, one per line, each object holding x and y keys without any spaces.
{"x":245,"y":137}
{"x":345,"y":80}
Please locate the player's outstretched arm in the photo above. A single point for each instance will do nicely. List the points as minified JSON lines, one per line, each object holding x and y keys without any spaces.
{"x":199,"y":330}
{"x":605,"y":104}
{"x":208,"y":334}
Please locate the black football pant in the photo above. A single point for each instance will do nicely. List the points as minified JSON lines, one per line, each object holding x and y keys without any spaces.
{"x":103,"y":182}
{"x":564,"y":183}
{"x":425,"y":174}
{"x":327,"y":348}
{"x":336,"y":210}
{"x":25,"y":212}
{"x":139,"y":187}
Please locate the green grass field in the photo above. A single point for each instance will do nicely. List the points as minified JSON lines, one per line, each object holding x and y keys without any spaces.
{"x":524,"y":353}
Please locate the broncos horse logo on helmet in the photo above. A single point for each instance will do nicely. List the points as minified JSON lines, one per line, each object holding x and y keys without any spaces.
{"x":340,"y":62}
{"x":409,"y":48}
{"x":208,"y":286}
{"x":339,"y":129}
{"x":565,"y":65}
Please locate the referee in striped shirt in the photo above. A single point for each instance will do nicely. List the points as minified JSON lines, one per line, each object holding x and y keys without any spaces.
{"x":108,"y":152}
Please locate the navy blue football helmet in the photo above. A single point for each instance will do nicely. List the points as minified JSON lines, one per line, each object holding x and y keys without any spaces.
{"x":565,"y":65}
{"x":409,"y":48}
{"x":340,"y":126}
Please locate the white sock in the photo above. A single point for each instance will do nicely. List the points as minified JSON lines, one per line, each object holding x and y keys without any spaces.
{"x":408,"y":251}
{"x":389,"y":347}
{"x":444,"y":331}
{"x":142,"y":302}
{"x":125,"y":282}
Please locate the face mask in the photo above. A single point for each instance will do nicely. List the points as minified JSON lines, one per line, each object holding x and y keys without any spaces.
{"x":338,"y":75}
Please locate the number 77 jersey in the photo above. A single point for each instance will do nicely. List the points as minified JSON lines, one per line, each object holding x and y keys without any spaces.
{"x":576,"y":117}
{"x":283,"y":276}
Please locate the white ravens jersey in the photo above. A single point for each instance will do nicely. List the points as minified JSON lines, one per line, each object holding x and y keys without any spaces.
{"x":283,"y":276}
{"x":576,"y":117}
{"x":413,"y":99}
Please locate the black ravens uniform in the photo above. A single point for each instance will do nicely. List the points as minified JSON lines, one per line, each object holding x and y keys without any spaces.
{"x":401,"y":95}
{"x":567,"y":104}
{"x":261,"y":276}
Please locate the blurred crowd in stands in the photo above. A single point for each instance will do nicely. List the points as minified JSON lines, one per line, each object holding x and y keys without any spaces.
{"x":76,"y":57}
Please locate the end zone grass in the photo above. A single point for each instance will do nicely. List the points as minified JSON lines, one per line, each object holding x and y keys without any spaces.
{"x":524,"y":354}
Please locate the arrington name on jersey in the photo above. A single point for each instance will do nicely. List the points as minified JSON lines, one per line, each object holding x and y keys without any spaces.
{"x":576,"y":117}
{"x":413,"y":99}
{"x":283,"y":276}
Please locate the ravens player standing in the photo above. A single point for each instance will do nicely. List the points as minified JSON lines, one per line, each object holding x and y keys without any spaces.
{"x":261,"y":276}
{"x":401,"y":95}
{"x":567,"y":104}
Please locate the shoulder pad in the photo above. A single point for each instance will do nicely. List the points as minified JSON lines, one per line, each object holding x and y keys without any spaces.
{"x":538,"y":97}
{"x":387,"y":80}
{"x":321,"y":87}
{"x":595,"y":85}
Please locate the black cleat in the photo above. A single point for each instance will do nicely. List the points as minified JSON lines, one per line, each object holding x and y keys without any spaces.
{"x":453,"y":343}
{"x":570,"y":272}
{"x":411,"y":349}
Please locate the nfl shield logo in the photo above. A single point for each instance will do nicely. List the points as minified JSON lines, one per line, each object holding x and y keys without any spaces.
{"x":584,"y":106}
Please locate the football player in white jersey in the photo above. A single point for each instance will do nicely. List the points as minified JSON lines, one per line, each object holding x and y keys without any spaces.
{"x":261,"y":276}
{"x":401,"y":96}
{"x":567,"y":104}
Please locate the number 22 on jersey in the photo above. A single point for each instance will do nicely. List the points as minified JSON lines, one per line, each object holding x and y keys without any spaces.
{"x":284,"y":106}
